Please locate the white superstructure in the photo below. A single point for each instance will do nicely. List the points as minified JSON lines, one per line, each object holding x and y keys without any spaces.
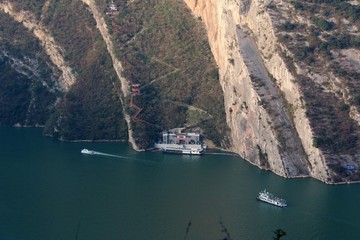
{"x":181,"y":143}
{"x":270,"y":198}
{"x":183,"y":150}
{"x":87,"y":151}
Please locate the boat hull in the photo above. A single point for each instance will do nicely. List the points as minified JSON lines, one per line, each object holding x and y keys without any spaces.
{"x":272,"y":203}
{"x":184,"y":151}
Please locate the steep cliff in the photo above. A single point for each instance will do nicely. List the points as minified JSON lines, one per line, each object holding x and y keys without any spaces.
{"x":29,"y":88}
{"x":164,"y":49}
{"x":62,"y":39}
{"x":93,"y":54}
{"x":289,"y":110}
{"x":287,"y":101}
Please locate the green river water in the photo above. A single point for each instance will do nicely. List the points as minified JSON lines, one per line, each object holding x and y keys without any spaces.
{"x":50,"y":191}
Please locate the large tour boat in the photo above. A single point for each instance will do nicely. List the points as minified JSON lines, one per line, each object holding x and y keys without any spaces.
{"x":183,"y":150}
{"x":270,"y":198}
{"x":181,"y":143}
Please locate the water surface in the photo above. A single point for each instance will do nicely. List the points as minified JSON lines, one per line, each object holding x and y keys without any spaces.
{"x":49,"y":190}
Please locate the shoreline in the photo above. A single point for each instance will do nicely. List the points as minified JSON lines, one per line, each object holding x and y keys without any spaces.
{"x":212,"y":150}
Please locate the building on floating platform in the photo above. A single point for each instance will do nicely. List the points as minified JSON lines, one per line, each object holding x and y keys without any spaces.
{"x":181,"y":143}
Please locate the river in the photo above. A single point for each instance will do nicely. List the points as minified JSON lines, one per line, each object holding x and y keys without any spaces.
{"x":49,"y":190}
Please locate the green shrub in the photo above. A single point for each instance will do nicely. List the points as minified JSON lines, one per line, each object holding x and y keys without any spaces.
{"x":324,"y":25}
{"x":298,"y":5}
{"x":288,"y":26}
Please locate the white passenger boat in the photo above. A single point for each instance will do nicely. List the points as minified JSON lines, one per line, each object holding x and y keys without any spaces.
{"x":183,"y":150}
{"x":271,"y":199}
{"x":181,"y":143}
{"x":87,"y":151}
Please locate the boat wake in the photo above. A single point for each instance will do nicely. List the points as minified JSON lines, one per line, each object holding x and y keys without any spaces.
{"x":92,"y":152}
{"x":106,"y":154}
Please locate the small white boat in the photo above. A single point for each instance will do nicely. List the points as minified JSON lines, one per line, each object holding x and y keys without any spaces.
{"x":87,"y":151}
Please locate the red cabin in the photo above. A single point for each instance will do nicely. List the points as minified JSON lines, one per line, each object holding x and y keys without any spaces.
{"x":135,"y":89}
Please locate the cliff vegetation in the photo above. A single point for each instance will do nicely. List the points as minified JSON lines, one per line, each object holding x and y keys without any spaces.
{"x":164,"y":48}
{"x":322,"y":39}
{"x":28,"y":89}
{"x":290,"y":74}
{"x":161,"y":46}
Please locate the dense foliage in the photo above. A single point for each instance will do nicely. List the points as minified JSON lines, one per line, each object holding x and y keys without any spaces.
{"x":27,"y":87}
{"x":15,"y":95}
{"x":91,"y":109}
{"x":161,"y":46}
{"x":165,"y":49}
{"x":33,"y":6}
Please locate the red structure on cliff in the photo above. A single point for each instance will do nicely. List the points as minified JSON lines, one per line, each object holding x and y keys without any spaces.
{"x":135,"y":89}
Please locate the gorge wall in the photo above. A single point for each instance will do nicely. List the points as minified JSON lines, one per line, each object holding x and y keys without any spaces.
{"x":288,"y":98}
{"x":91,"y":54}
{"x":268,"y":107}
{"x":69,"y":86}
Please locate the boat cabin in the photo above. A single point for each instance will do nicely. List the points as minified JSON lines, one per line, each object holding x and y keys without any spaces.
{"x":181,"y":138}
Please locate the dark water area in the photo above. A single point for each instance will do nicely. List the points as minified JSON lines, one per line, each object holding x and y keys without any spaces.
{"x":49,"y":190}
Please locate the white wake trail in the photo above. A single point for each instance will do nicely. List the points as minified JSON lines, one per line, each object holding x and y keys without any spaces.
{"x":92,"y":152}
{"x":112,"y":155}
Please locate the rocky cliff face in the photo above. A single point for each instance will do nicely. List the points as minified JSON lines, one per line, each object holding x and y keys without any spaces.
{"x":268,"y":106}
{"x":265,"y":100}
{"x":288,"y":98}
{"x":261,"y":130}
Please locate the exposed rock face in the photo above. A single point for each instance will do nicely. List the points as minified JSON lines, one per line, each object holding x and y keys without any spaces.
{"x":56,"y":72}
{"x":49,"y":44}
{"x":289,"y":78}
{"x":258,"y":86}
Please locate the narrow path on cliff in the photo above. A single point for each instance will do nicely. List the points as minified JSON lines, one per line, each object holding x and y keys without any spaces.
{"x":163,"y":76}
{"x":133,"y":38}
{"x":138,"y":111}
{"x":190,"y":107}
